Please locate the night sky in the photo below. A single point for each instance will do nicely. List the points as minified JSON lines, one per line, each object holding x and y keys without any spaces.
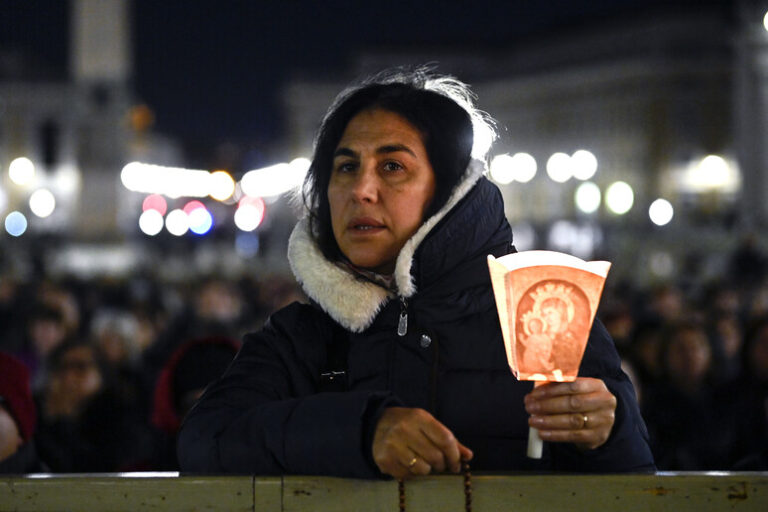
{"x":211,"y":70}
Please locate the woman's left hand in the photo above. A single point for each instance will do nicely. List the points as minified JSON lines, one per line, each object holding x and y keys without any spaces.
{"x":580,"y":412}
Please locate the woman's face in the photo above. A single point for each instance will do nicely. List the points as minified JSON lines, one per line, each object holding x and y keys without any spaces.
{"x":78,"y":373}
{"x":381,"y":184}
{"x":689,"y":356}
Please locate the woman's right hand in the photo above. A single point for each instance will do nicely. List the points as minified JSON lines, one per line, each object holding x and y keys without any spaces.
{"x":410,"y":441}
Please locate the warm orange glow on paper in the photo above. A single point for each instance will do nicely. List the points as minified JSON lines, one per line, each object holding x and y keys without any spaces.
{"x":547,"y":302}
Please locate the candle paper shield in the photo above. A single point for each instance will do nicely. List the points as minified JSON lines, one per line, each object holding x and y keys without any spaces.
{"x":547,"y":302}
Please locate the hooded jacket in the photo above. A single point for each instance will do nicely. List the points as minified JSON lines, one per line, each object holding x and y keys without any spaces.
{"x":434,"y":344}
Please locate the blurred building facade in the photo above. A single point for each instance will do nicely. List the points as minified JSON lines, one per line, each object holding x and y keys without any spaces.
{"x":80,"y":127}
{"x":69,"y":132}
{"x":649,"y":97}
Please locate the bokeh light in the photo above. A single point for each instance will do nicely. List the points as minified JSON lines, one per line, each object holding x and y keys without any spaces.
{"x":15,"y":223}
{"x":42,"y":202}
{"x":155,"y":202}
{"x":21,"y":171}
{"x":191,"y":206}
{"x":250,"y":213}
{"x":524,"y":166}
{"x":502,"y":169}
{"x":66,"y":181}
{"x":3,"y":199}
{"x":276,"y":179}
{"x":168,"y":181}
{"x":222,"y":185}
{"x":583,"y":164}
{"x":200,"y":221}
{"x":619,"y":197}
{"x":661,"y":212}
{"x":559,"y":167}
{"x":712,"y":172}
{"x":131,"y":176}
{"x":177,"y":222}
{"x":151,"y":222}
{"x":587,"y":197}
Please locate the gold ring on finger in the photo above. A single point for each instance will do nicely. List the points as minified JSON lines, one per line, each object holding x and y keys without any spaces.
{"x":586,"y":420}
{"x":413,"y":462}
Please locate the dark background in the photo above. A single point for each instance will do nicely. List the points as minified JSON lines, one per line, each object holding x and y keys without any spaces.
{"x":211,"y":71}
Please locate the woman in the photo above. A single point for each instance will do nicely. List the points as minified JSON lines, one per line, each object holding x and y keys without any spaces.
{"x":393,"y":256}
{"x":684,"y":408}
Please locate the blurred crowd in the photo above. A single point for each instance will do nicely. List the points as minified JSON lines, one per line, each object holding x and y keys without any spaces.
{"x":697,"y":352}
{"x":96,"y":375}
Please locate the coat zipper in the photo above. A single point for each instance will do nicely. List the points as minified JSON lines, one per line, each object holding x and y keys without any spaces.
{"x":402,"y":322}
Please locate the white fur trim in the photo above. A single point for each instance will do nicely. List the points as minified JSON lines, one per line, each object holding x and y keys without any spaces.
{"x":403,"y":277}
{"x":349,"y":299}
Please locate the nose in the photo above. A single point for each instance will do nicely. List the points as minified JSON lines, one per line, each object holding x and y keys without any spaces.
{"x":365,"y":187}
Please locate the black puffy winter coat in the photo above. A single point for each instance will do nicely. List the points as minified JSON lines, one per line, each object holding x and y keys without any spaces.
{"x":268,"y":414}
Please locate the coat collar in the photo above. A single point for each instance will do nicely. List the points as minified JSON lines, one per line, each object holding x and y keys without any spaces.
{"x":349,"y":299}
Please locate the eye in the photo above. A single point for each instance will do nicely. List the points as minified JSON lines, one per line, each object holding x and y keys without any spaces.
{"x":392,"y":166}
{"x":345,"y":167}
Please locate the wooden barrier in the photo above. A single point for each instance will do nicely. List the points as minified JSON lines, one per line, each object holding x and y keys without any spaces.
{"x":131,"y":492}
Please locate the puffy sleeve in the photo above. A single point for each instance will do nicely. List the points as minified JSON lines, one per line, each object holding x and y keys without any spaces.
{"x":265,"y":415}
{"x":627,"y":448}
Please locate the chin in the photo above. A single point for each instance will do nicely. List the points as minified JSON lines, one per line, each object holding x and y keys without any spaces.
{"x":374,"y":265}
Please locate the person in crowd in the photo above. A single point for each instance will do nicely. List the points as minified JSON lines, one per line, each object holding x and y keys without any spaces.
{"x":74,"y":378}
{"x":46,"y":329}
{"x":666,"y":302}
{"x":116,"y":334}
{"x":18,"y":454}
{"x":86,"y":423}
{"x":215,"y":308}
{"x":747,"y":404}
{"x":402,"y":321}
{"x":682,"y":408}
{"x":274,"y":292}
{"x":620,"y":323}
{"x":725,"y":329}
{"x":193,"y":366}
{"x":747,"y":263}
{"x":643,"y":351}
{"x":63,"y":298}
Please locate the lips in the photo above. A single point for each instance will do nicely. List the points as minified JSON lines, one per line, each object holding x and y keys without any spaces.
{"x":364,"y":224}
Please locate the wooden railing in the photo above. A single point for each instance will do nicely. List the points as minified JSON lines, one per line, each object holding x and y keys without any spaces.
{"x":131,"y":492}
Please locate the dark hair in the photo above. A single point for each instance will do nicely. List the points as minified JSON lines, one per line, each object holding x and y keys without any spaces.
{"x":670,"y":334}
{"x":55,"y":359}
{"x":755,"y":327}
{"x":444,"y":124}
{"x":42,"y":312}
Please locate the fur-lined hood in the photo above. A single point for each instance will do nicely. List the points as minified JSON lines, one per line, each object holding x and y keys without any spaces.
{"x":348,"y":298}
